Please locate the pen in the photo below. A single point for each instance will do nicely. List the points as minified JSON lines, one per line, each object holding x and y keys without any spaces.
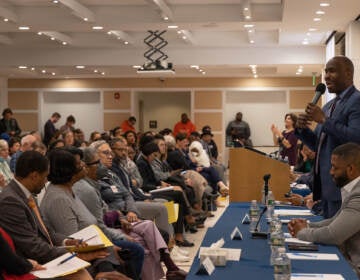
{"x":67,"y":259}
{"x":305,"y":255}
{"x":307,"y":275}
{"x":86,"y":240}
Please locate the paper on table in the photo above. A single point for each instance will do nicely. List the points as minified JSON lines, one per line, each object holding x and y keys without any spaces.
{"x":310,"y":276}
{"x":293,"y":212}
{"x":296,"y":241}
{"x":313,"y":256}
{"x":53,"y":269}
{"x":232,"y":254}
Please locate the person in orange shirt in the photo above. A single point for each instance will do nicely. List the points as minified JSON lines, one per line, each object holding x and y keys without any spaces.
{"x":184,"y":126}
{"x":128,"y":124}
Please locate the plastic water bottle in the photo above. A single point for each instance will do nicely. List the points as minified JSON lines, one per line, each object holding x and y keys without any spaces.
{"x":282,"y":266}
{"x":277,"y":239}
{"x":275,"y":224}
{"x":270,"y":205}
{"x":275,"y":253}
{"x":254,"y":214}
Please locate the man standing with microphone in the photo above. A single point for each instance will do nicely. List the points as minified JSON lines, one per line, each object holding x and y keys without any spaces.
{"x":337,"y":123}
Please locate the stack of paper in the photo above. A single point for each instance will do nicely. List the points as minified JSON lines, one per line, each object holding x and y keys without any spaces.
{"x":293,"y":212}
{"x":313,"y":256}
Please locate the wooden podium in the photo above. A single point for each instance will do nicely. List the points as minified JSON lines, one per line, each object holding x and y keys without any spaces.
{"x":247,"y":169}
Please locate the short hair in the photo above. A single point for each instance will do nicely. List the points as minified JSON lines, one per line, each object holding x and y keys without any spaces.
{"x":75,"y":151}
{"x":150,"y":148}
{"x":349,"y":152}
{"x":70,"y":118}
{"x":27,"y":139}
{"x":97,"y":144}
{"x":56,"y":114}
{"x":53,"y":144}
{"x":30,"y":161}
{"x":145,"y":140}
{"x":170,"y":141}
{"x":113,"y":131}
{"x":89,"y":154}
{"x":165,"y":131}
{"x":62,"y":166}
{"x":38,"y":145}
{"x":116,"y":140}
{"x":132,"y":118}
{"x":180,"y":136}
{"x":130,"y":132}
{"x":14,"y":140}
{"x":292,"y":116}
{"x":7,"y":111}
{"x":346,"y":61}
{"x":159,"y":137}
{"x":3,"y":144}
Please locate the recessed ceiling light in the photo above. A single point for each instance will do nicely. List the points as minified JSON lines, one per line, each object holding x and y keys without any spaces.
{"x":246,"y":9}
{"x":305,"y":42}
{"x":312,"y":29}
{"x":166,"y":18}
{"x":102,"y":73}
{"x":136,"y":66}
{"x":52,"y":38}
{"x":172,"y":26}
{"x":43,"y":71}
{"x":324,"y":4}
{"x":184,"y":37}
{"x":5,"y":19}
{"x":109,"y":32}
{"x":300,"y":70}
{"x":24,"y":27}
{"x":201,"y":70}
{"x":255,"y":76}
{"x":194,"y":66}
{"x":320,"y":12}
{"x":39,"y":33}
{"x":55,"y":1}
{"x":203,"y":73}
{"x":252,"y":41}
{"x":179,"y":31}
{"x":53,"y":73}
{"x":248,"y":25}
{"x":32,"y":68}
{"x":64,"y":43}
{"x":298,"y":73}
{"x":119,"y":38}
{"x":126,"y":42}
{"x":80,"y":66}
{"x":317,"y":19}
{"x":22,"y":67}
{"x":95,"y":71}
{"x":85,"y":19}
{"x":248,"y":17}
{"x":97,"y":28}
{"x":251,"y":30}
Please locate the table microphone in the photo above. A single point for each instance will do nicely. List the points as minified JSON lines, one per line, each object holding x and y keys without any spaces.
{"x":257,"y":234}
{"x":320,"y":89}
{"x":266,"y":187}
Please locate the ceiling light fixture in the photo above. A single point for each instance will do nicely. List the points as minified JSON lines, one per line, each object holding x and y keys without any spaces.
{"x":52,"y":39}
{"x":317,"y":19}
{"x":32,"y":68}
{"x":64,"y":43}
{"x":324,"y":4}
{"x":96,"y":71}
{"x":320,"y":12}
{"x":126,"y":42}
{"x":24,"y":27}
{"x":172,"y":26}
{"x":194,"y":66}
{"x":22,"y":67}
{"x":97,"y":28}
{"x":249,"y":25}
{"x":55,"y":1}
{"x":80,"y":66}
{"x":312,"y":29}
{"x":246,"y":9}
{"x":43,"y":71}
{"x":39,"y":33}
{"x":6,"y":19}
{"x":53,"y":73}
{"x":136,"y":66}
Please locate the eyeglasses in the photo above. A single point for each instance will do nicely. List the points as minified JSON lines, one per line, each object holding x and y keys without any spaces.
{"x":93,"y":163}
{"x":107,"y":153}
{"x":120,"y":149}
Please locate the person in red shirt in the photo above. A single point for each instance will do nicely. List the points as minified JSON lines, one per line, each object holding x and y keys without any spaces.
{"x":184,"y":126}
{"x":128,"y":124}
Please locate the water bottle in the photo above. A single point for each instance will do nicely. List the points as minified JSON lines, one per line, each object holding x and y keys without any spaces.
{"x":275,"y":224}
{"x":254,"y":214}
{"x":270,"y":205}
{"x":277,"y":239}
{"x":282,"y":266}
{"x":275,"y":253}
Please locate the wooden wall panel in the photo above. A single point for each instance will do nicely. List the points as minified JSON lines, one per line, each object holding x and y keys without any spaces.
{"x":167,"y":83}
{"x":219,"y":140}
{"x":112,"y":102}
{"x":23,"y":100}
{"x":208,"y":100}
{"x":27,"y":121}
{"x":212,"y":119}
{"x":300,"y":98}
{"x":112,"y":120}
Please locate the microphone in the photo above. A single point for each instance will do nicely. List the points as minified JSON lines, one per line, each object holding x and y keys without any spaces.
{"x":320,"y":89}
{"x":266,"y":186}
{"x":257,"y":234}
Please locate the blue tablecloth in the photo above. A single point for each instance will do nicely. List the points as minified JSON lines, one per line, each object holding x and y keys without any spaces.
{"x":255,"y":255}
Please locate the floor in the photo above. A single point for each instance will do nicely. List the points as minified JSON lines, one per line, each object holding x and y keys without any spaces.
{"x":197,"y":238}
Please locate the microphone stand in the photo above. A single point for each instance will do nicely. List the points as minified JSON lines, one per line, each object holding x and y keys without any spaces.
{"x":266,"y":187}
{"x":257,"y":234}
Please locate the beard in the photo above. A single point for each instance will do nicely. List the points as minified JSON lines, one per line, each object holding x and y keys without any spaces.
{"x":341,"y":181}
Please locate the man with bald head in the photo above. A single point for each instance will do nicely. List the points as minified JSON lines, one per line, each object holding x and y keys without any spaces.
{"x":338,"y":122}
{"x":26,"y":145}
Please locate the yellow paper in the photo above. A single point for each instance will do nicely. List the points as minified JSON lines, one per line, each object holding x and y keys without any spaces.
{"x":173,"y":211}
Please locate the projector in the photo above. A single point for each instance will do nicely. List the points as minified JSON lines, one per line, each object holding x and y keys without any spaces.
{"x":156,"y":67}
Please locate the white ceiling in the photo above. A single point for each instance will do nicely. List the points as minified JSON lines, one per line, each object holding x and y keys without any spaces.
{"x":217,"y":40}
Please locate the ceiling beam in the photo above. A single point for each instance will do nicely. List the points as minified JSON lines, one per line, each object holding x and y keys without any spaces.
{"x":58,"y":36}
{"x":166,"y":12}
{"x":79,"y":10}
{"x":121,"y":35}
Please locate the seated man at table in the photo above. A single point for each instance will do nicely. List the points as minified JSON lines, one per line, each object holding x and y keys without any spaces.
{"x":343,"y":229}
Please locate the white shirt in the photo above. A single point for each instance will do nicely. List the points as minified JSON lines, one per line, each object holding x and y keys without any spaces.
{"x":23,"y":188}
{"x":347,"y":189}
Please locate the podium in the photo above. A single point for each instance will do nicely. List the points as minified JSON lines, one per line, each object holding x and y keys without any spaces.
{"x":247,"y":169}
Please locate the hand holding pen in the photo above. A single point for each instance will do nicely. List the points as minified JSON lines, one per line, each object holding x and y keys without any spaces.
{"x":73,"y":255}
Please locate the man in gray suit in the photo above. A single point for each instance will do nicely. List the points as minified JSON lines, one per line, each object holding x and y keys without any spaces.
{"x":338,"y":122}
{"x":343,"y":229}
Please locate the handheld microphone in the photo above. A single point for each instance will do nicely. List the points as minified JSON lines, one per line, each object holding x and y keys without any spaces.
{"x":257,"y":234}
{"x":320,"y":89}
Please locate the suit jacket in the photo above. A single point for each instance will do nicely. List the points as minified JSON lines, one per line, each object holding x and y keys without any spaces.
{"x":343,"y":229}
{"x":342,"y":127}
{"x":13,"y":126}
{"x":19,"y":221}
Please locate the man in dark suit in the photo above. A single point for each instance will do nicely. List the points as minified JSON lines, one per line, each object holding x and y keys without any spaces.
{"x":337,"y":123}
{"x":343,"y":229}
{"x":21,"y":219}
{"x":8,"y":124}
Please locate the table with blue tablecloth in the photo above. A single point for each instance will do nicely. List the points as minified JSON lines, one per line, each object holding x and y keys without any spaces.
{"x":255,"y":256}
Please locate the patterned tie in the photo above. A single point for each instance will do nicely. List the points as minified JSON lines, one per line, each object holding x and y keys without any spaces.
{"x":34,"y":207}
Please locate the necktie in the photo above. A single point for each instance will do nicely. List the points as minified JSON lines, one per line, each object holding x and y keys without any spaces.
{"x":322,"y":135}
{"x":35,"y":209}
